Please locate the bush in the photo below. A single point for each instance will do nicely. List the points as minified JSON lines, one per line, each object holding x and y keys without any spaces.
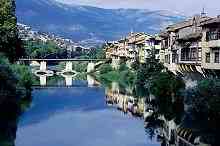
{"x":207,"y":96}
{"x":166,"y":84}
{"x":7,"y":77}
{"x":96,"y":53}
{"x":148,"y":71}
{"x":24,"y":76}
{"x":105,"y":68}
{"x":80,"y":66}
{"x":13,"y":77}
{"x":39,"y":49}
{"x":123,"y":67}
{"x":128,"y":77}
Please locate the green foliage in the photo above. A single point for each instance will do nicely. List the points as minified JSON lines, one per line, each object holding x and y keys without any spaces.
{"x":13,"y":77}
{"x":80,"y":66}
{"x":128,"y":77}
{"x":39,"y":49}
{"x":95,"y":53}
{"x":124,"y":75}
{"x":135,"y":65}
{"x":207,"y":96}
{"x":10,"y":45}
{"x":10,"y":76}
{"x":123,"y":67}
{"x":166,"y":84}
{"x":110,"y":76}
{"x":7,"y":78}
{"x":105,"y":68}
{"x":24,"y":76}
{"x":147,"y":71}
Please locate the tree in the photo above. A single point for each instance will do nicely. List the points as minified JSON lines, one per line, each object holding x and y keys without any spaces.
{"x":10,"y":44}
{"x":40,"y":49}
{"x":105,"y":68}
{"x":148,"y":70}
{"x":166,"y":85}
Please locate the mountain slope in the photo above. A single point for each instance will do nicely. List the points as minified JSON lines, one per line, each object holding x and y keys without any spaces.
{"x":84,"y":22}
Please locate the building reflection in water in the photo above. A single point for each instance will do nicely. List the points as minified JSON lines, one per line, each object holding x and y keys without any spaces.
{"x":173,"y":126}
{"x":166,"y":120}
{"x":124,"y":100}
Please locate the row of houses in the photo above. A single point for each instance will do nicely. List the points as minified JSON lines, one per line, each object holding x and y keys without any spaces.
{"x":192,"y":45}
{"x":27,"y":33}
{"x":136,"y":46}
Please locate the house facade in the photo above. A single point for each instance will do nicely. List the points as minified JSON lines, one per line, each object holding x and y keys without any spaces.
{"x":211,"y":44}
{"x":134,"y":47}
{"x":182,"y":45}
{"x":192,"y":45}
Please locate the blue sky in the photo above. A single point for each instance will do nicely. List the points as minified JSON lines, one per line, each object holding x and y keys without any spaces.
{"x":186,"y":7}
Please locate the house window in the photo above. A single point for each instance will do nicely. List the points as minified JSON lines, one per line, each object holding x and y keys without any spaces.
{"x":167,"y":58}
{"x":165,"y":43}
{"x":207,"y":57}
{"x":213,"y":35}
{"x":193,"y":54}
{"x":174,"y":58}
{"x":157,"y":42}
{"x":216,"y":57}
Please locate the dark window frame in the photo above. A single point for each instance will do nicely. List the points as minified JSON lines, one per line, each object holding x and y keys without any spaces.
{"x":207,"y":58}
{"x":216,"y":57}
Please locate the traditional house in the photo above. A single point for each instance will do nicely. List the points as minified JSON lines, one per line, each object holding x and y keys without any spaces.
{"x":135,"y":47}
{"x":211,"y":44}
{"x":182,"y":45}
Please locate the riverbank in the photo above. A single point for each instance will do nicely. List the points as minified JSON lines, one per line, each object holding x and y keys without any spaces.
{"x":123,"y":74}
{"x":15,"y":97}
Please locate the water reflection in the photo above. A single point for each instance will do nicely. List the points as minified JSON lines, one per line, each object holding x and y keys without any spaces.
{"x":10,"y":110}
{"x":128,"y":114}
{"x":124,"y":101}
{"x":169,"y":120}
{"x":63,"y":80}
{"x":175,"y":125}
{"x":73,"y":116}
{"x":44,"y":79}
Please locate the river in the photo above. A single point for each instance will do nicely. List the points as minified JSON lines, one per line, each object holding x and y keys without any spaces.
{"x":79,"y":110}
{"x":78,"y":115}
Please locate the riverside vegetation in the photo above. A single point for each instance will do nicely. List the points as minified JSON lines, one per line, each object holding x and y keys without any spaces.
{"x":15,"y":80}
{"x":203,"y":100}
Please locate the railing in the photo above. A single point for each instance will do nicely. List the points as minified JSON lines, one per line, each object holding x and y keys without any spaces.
{"x":189,"y":59}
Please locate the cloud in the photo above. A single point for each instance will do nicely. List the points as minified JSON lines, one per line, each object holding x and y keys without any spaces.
{"x":187,"y":7}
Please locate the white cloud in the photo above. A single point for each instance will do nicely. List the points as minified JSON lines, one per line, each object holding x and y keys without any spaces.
{"x":187,"y":7}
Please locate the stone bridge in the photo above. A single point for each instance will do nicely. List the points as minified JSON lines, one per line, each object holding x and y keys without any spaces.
{"x":92,"y":63}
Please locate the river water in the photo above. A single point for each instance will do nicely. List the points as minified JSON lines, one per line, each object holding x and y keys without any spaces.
{"x":78,"y":110}
{"x":81,"y":114}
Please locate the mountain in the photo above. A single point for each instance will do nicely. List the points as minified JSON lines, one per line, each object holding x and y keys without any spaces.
{"x":90,"y":24}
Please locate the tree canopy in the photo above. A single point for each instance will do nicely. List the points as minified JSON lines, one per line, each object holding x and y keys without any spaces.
{"x":10,"y":44}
